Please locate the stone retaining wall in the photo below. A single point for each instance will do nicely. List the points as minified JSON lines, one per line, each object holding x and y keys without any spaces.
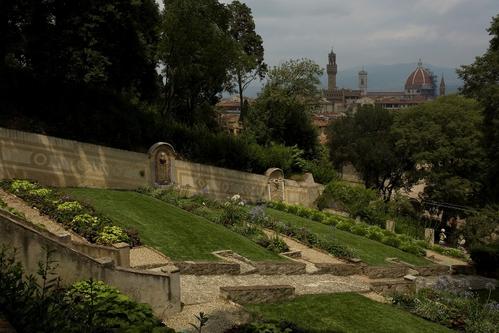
{"x":339,"y":269}
{"x":391,"y":286}
{"x":160,"y":290}
{"x":432,"y":270}
{"x":257,"y":294}
{"x":381,"y":272}
{"x":208,"y":268}
{"x":279,"y":268}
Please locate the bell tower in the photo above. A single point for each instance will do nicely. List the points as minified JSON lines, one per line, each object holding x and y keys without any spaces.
{"x":363,"y":82}
{"x":442,"y":86}
{"x":332,"y":70}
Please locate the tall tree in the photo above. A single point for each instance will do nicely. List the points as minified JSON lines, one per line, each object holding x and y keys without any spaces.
{"x":297,"y":78}
{"x":197,"y":53}
{"x":365,"y":140}
{"x":481,"y":81}
{"x":443,"y":139}
{"x":249,"y":63}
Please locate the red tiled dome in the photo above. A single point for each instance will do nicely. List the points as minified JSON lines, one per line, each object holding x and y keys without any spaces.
{"x":419,"y":78}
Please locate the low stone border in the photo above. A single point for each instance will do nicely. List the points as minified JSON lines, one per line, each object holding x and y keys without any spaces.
{"x":383,"y":272}
{"x":432,"y":270}
{"x":339,"y":269}
{"x":257,"y":294}
{"x":207,"y":268}
{"x":462,"y":269}
{"x":391,"y":286}
{"x":279,"y":268}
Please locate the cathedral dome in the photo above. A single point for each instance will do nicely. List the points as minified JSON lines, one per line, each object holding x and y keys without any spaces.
{"x":419,"y":78}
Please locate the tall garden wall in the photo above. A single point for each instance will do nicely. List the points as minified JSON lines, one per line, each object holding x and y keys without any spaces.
{"x":60,"y":162}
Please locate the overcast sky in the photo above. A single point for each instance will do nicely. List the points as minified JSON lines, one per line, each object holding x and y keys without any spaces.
{"x":442,"y":32}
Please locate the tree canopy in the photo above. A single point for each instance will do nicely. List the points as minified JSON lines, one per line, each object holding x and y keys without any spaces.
{"x":196,"y":53}
{"x":481,"y":81}
{"x":249,"y":61}
{"x":365,"y":140}
{"x":443,"y":140}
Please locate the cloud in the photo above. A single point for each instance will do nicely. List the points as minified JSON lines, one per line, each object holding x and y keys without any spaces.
{"x":442,"y":32}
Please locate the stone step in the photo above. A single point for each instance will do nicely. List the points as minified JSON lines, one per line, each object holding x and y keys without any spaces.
{"x":257,"y":294}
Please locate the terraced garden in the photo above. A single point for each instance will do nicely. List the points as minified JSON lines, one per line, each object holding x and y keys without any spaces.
{"x":175,"y":232}
{"x":371,"y":252}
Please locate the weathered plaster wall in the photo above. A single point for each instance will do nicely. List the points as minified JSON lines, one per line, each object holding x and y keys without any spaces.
{"x":60,"y":162}
{"x":160,"y":290}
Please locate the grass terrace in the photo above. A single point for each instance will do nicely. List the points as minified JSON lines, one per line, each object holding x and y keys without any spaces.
{"x":369,"y":251}
{"x":344,"y":312}
{"x":175,"y":232}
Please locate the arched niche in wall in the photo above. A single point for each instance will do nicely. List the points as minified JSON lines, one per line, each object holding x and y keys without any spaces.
{"x":162,"y":160}
{"x":275,"y":184}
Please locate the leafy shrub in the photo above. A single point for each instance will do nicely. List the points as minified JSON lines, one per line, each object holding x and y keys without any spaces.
{"x":336,"y":249}
{"x":344,"y":225}
{"x":449,"y":251}
{"x":350,"y":198}
{"x":375,"y":233}
{"x":412,"y":248}
{"x":40,"y":192}
{"x":391,"y":241}
{"x":110,"y":309}
{"x":277,"y":244}
{"x":65,"y":211}
{"x":111,"y":235}
{"x":86,"y":306}
{"x":87,"y":226}
{"x":486,"y":259}
{"x":359,"y":229}
{"x":232,"y":214}
{"x":133,"y":236}
{"x":19,"y":186}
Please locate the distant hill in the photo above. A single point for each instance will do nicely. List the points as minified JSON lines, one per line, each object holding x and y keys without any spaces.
{"x":392,"y":77}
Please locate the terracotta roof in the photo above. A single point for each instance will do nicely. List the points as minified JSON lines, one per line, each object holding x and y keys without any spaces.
{"x":418,"y":78}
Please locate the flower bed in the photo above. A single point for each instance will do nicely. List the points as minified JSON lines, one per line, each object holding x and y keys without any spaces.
{"x":454,"y":306}
{"x":74,"y":215}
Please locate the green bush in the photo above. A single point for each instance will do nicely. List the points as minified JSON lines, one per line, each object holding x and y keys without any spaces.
{"x":336,"y":249}
{"x":277,"y":244}
{"x":344,"y":225}
{"x":449,"y":251}
{"x":412,"y":248}
{"x":86,"y":306}
{"x":359,"y":229}
{"x":79,"y":217}
{"x":391,"y":241}
{"x":111,"y":235}
{"x":486,"y":259}
{"x":375,"y":233}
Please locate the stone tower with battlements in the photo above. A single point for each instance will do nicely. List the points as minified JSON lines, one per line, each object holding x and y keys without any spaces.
{"x":332,"y":70}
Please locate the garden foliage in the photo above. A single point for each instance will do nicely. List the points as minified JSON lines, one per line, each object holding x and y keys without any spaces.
{"x":79,"y":217}
{"x":86,"y":306}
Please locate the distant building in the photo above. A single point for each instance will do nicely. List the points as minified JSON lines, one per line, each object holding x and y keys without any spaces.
{"x":420,"y":87}
{"x":228,"y":114}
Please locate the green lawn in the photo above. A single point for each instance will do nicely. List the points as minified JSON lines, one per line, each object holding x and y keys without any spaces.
{"x":369,"y":251}
{"x":344,"y":312}
{"x":173,"y":231}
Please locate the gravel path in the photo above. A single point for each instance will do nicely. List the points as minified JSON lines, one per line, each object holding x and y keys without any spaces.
{"x":444,"y":260}
{"x":143,"y":256}
{"x":34,"y":216}
{"x":309,"y":254}
{"x":201,"y":294}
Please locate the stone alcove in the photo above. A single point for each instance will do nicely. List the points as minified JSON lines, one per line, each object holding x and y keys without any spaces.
{"x":275,"y":184}
{"x":162,"y":161}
